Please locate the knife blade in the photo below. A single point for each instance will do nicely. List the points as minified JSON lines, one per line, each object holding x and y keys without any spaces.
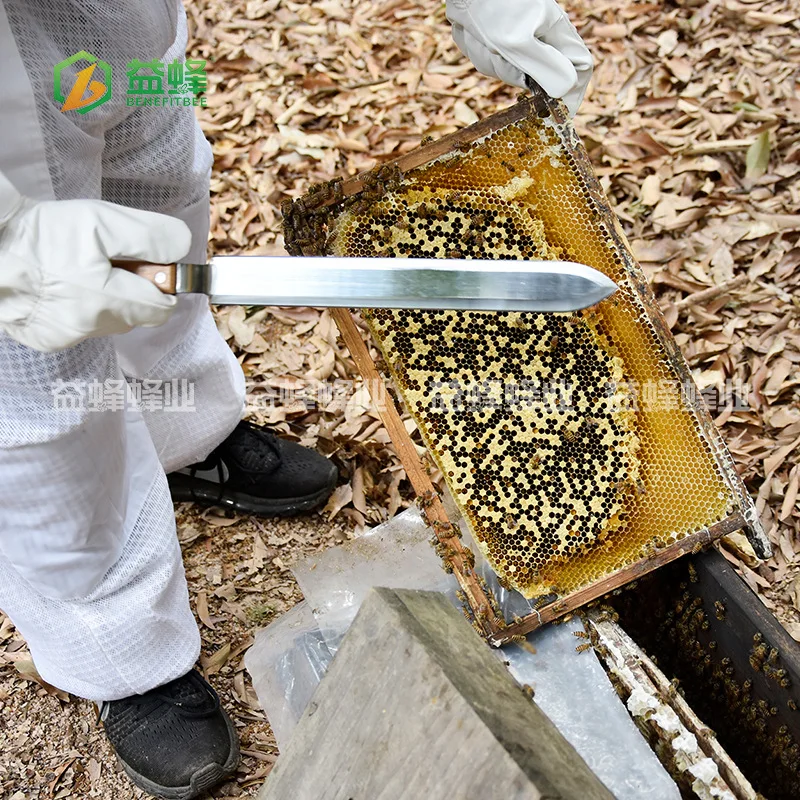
{"x":500,"y":285}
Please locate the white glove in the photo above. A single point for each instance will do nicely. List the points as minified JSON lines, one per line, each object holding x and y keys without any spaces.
{"x":509,"y":39}
{"x":57,"y":286}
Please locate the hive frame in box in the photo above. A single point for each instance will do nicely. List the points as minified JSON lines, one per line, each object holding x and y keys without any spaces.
{"x":305,"y":227}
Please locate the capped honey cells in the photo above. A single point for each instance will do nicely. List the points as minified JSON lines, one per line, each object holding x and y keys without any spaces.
{"x":568,"y":441}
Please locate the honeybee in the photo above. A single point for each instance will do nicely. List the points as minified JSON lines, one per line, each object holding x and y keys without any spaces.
{"x":477,"y":220}
{"x":426,"y":500}
{"x":758,"y":656}
{"x":569,"y":434}
{"x":544,"y":599}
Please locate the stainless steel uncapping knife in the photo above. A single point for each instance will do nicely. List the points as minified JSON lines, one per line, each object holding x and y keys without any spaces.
{"x":384,"y":282}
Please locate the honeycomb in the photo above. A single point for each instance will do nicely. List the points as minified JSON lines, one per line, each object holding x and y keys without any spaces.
{"x":538,"y":478}
{"x":557,"y":495}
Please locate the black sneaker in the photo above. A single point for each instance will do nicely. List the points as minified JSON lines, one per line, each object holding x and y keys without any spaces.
{"x":174,"y":741}
{"x":255,"y":472}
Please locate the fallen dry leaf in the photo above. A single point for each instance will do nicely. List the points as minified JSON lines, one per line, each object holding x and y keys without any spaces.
{"x":794,"y":592}
{"x":201,"y":606}
{"x":738,"y":544}
{"x":341,"y":496}
{"x":757,"y":159}
{"x":217,"y":661}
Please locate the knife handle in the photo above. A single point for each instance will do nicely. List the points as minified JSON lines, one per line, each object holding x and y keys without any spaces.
{"x":162,"y":276}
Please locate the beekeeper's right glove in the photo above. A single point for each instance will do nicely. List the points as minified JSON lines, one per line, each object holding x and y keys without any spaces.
{"x":512,"y":39}
{"x":57,"y":286}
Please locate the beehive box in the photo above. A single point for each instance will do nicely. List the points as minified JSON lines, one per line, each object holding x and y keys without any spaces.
{"x":730,"y":658}
{"x":576,"y":446}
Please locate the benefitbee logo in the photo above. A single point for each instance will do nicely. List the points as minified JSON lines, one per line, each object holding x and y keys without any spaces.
{"x":150,"y":83}
{"x":86,"y":91}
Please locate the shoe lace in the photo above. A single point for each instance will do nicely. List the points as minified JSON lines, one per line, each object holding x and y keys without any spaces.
{"x":260,"y":438}
{"x":253,"y":443}
{"x":193,"y":703}
{"x":213,"y":461}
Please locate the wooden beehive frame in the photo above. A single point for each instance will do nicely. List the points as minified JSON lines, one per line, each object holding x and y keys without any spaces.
{"x":482,"y":606}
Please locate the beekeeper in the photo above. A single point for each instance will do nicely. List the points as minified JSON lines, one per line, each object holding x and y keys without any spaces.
{"x":90,"y":567}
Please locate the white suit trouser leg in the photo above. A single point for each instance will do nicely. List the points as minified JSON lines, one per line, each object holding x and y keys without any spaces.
{"x":90,"y":567}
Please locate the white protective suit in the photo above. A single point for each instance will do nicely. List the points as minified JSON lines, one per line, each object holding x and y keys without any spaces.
{"x":90,"y":567}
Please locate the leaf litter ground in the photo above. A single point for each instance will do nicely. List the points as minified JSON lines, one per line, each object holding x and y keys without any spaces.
{"x":692,"y":125}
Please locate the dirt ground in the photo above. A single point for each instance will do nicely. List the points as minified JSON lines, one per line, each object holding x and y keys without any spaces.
{"x":691,"y":123}
{"x":52,"y":745}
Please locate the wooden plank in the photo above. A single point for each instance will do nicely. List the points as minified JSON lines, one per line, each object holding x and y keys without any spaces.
{"x":637,"y":673}
{"x":415,"y":706}
{"x":427,"y":153}
{"x":758,"y":649}
{"x":747,"y":615}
